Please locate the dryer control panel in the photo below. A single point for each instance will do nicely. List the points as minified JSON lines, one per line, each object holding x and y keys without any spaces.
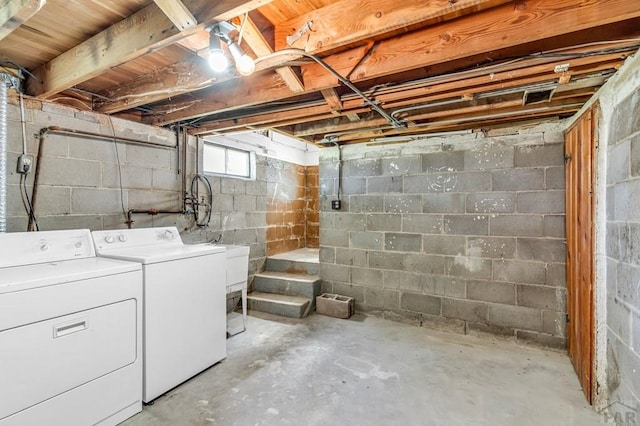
{"x":28,"y":248}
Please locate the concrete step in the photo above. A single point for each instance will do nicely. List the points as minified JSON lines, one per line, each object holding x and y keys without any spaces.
{"x":288,"y":284}
{"x":292,"y":266}
{"x":279,"y":304}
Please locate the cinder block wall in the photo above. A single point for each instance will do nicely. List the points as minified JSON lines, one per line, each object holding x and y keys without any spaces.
{"x":463,"y":232}
{"x":312,"y":210}
{"x":623,"y":251}
{"x":80,"y":185}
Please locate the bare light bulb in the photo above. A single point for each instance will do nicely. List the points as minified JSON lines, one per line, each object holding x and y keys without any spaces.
{"x":245,"y":65}
{"x":218,"y":61}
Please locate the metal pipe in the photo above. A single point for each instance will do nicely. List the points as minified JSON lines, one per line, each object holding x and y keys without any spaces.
{"x":151,"y":212}
{"x":4,"y":81}
{"x":64,"y":131}
{"x":368,"y":101}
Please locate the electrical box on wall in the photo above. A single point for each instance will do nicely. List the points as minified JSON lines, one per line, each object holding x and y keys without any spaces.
{"x":336,"y":204}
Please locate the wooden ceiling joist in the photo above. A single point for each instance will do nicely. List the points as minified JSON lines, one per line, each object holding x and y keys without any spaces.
{"x":14,"y":13}
{"x":178,"y":13}
{"x":482,"y":33}
{"x":147,"y":30}
{"x":347,"y":22}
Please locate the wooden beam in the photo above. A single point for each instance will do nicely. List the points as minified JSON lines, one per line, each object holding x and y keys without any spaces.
{"x":333,"y":99}
{"x":15,"y":12}
{"x":479,"y":34}
{"x":260,"y":46}
{"x":145,"y":31}
{"x":509,"y":25}
{"x":179,"y":14}
{"x":349,"y":21}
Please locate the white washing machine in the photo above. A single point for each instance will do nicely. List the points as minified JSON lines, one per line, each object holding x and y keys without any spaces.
{"x":184,"y":320}
{"x":70,"y":332}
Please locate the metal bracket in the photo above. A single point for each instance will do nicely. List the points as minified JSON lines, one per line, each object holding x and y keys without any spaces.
{"x":291,"y":39}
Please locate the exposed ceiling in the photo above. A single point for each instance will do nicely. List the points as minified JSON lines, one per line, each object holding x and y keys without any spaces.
{"x":423,"y":65}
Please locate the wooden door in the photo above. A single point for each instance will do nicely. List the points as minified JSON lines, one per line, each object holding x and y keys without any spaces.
{"x":580,"y":148}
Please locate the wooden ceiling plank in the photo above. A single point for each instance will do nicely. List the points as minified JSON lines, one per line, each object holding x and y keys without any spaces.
{"x":260,"y":46}
{"x":178,"y":13}
{"x":482,"y":33}
{"x":499,"y":28}
{"x":145,"y":31}
{"x":333,"y":99}
{"x":347,"y":21}
{"x":15,"y":12}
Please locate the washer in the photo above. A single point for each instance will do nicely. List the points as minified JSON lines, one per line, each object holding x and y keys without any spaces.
{"x":70,"y":332}
{"x":184,"y":319}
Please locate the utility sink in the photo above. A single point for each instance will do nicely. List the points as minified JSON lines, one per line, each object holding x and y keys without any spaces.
{"x":237,"y":274}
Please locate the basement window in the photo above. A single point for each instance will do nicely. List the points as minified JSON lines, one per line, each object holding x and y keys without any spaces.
{"x":222,"y":160}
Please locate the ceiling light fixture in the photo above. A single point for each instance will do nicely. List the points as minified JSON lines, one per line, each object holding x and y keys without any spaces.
{"x":218,"y":61}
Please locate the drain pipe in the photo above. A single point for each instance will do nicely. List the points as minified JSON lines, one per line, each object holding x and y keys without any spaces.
{"x":5,"y":80}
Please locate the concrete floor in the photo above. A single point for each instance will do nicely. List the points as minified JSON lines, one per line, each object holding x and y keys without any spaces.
{"x":370,"y":371}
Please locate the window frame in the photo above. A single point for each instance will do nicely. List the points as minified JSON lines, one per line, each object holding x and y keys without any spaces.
{"x":251,"y":161}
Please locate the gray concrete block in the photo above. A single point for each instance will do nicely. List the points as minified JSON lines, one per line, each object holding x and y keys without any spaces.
{"x":326,"y":287}
{"x":328,"y":170}
{"x":447,"y":182}
{"x":443,"y":161}
{"x":625,"y":365}
{"x":619,"y":319}
{"x":466,"y":224}
{"x":366,"y":240}
{"x":351,"y":257}
{"x":618,"y":162}
{"x":444,"y":203}
{"x":255,"y":187}
{"x":245,"y":236}
{"x":335,"y":273}
{"x":366,"y":203}
{"x":548,"y":202}
{"x":70,"y":172}
{"x":328,"y":187}
{"x":422,"y":223}
{"x":632,"y":243}
{"x":465,"y":310}
{"x":489,"y":157}
{"x":443,"y":244}
{"x":491,"y":247}
{"x":541,"y":249}
{"x":395,"y":241}
{"x":635,"y":156}
{"x":554,"y":323}
{"x":441,"y":285}
{"x":403,"y":203}
{"x":635,"y":331}
{"x":626,"y":196}
{"x":329,"y":237}
{"x":350,"y":222}
{"x":484,"y":330}
{"x":362,"y":167}
{"x":51,"y":223}
{"x":627,"y":278}
{"x":327,"y":220}
{"x":422,"y":303}
{"x":52,"y":201}
{"x":515,"y":316}
{"x":152,"y":157}
{"x":96,"y":201}
{"x":239,"y":186}
{"x":383,"y":222}
{"x":625,"y":120}
{"x":366,"y":277}
{"x":539,"y":155}
{"x":256,"y":219}
{"x":542,"y":339}
{"x":327,"y":254}
{"x":519,"y":179}
{"x":384,"y":184}
{"x":425,"y":264}
{"x":386,"y":260}
{"x":553,"y":226}
{"x":489,"y":291}
{"x":382,"y":298}
{"x":516,"y":225}
{"x":554,"y":178}
{"x":353,"y":185}
{"x":468,"y":267}
{"x":233,"y":220}
{"x":556,"y":275}
{"x":96,"y":149}
{"x":349,"y":290}
{"x":541,"y":297}
{"x":165,"y":179}
{"x":132,"y":177}
{"x":223,"y":202}
{"x":517,"y":271}
{"x":402,"y":280}
{"x":490,"y":202}
{"x":401,"y":166}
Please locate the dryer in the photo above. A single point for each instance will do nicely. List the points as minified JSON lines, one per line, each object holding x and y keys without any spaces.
{"x":70,"y":332}
{"x":184,"y":321}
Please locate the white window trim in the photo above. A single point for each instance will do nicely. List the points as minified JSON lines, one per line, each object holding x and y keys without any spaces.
{"x":252,"y":162}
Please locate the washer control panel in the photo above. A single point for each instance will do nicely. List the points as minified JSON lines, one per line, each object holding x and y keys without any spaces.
{"x":125,"y":238}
